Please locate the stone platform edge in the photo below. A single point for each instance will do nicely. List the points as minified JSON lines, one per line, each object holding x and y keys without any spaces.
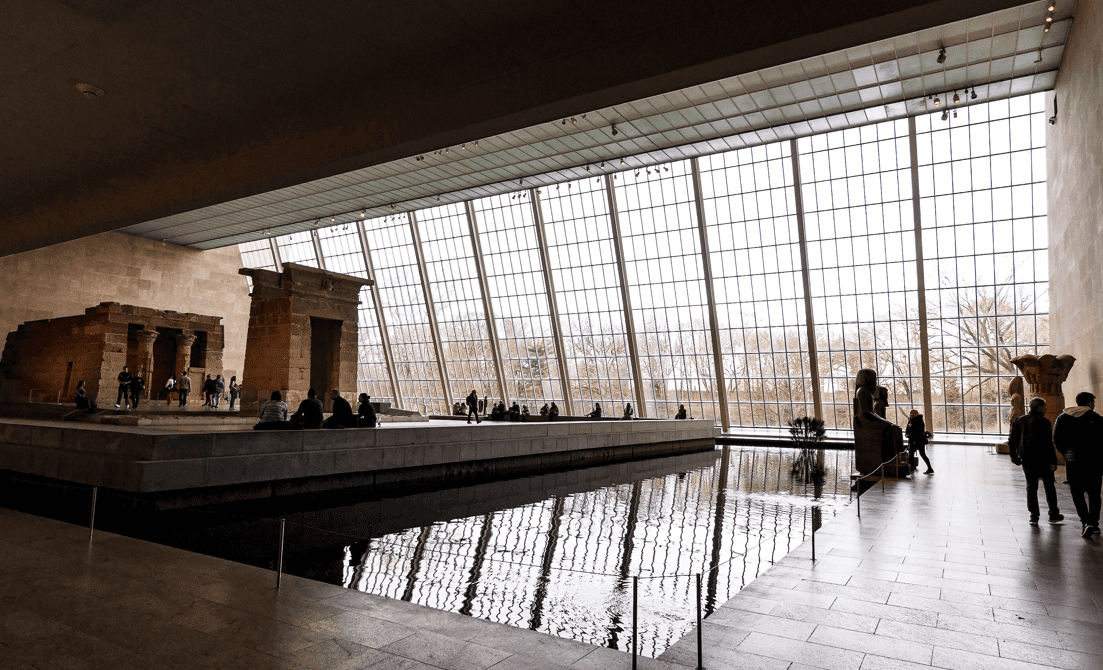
{"x":238,"y":464}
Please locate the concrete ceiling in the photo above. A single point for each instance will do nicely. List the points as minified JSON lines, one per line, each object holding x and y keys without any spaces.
{"x":222,"y":119}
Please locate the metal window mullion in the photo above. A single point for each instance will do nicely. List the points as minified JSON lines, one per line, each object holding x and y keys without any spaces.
{"x":384,"y":336}
{"x":553,"y":306}
{"x":434,"y":327}
{"x":806,"y":277}
{"x":318,"y":249}
{"x":629,"y":319}
{"x":924,"y":344}
{"x":275,"y":254}
{"x":484,"y":288}
{"x":714,"y":322}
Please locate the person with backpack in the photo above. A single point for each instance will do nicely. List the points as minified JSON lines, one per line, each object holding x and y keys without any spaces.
{"x":1031,"y":446}
{"x":1078,"y":435}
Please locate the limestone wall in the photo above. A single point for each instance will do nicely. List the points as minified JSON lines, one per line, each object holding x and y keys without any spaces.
{"x":66,"y":279}
{"x":1074,"y":164}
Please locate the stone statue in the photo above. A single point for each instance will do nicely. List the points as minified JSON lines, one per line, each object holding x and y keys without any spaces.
{"x":881,"y":401}
{"x":876,"y":439}
{"x":1045,"y":374}
{"x":1018,"y":404}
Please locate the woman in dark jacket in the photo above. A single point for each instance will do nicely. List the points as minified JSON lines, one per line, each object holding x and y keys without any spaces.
{"x":917,"y":439}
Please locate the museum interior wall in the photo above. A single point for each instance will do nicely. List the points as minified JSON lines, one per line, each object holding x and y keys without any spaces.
{"x":1074,"y":163}
{"x":66,"y":279}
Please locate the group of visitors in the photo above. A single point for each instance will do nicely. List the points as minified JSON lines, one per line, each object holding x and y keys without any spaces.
{"x":311,"y":413}
{"x":1078,"y":435}
{"x":130,"y":389}
{"x":132,"y":385}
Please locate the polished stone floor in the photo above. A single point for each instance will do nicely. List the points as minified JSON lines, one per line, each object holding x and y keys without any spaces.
{"x":943,"y":571}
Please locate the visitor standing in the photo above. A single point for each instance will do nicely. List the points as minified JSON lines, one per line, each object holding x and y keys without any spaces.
{"x":473,"y":407}
{"x":124,"y":388}
{"x":219,"y":389}
{"x":170,"y":386}
{"x":235,"y":390}
{"x":137,"y":385}
{"x":1078,"y":435}
{"x":916,"y":433}
{"x":1031,"y":446}
{"x":208,"y":391}
{"x":183,"y":387}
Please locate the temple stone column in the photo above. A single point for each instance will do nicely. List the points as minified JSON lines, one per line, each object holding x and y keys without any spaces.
{"x":1045,"y":374}
{"x":147,"y":337}
{"x":183,"y":352}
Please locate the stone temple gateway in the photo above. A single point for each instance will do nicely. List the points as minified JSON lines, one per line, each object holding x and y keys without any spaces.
{"x":302,"y":334}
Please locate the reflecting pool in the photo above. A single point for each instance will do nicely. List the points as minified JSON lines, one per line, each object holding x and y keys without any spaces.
{"x":558,"y":553}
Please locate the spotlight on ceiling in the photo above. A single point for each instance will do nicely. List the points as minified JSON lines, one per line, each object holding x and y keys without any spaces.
{"x":941,"y":56}
{"x":945,"y":115}
{"x":973,"y":95}
{"x":1049,"y":18}
{"x":957,"y":99}
{"x":937,"y":102}
{"x":1052,"y":6}
{"x":1046,"y":29}
{"x":623,"y":162}
{"x":615,"y":131}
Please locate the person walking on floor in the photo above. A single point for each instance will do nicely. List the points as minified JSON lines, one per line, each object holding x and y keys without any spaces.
{"x":473,"y":407}
{"x":137,"y":385}
{"x":170,"y":386}
{"x":208,"y":391}
{"x":124,"y":388}
{"x":235,"y":390}
{"x":183,"y":387}
{"x":916,"y":433}
{"x":1031,"y":446}
{"x":1078,"y":435}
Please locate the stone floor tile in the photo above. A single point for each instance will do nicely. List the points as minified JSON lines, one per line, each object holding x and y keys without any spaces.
{"x":815,"y":655}
{"x":753,"y":622}
{"x":1040,"y":636}
{"x":603,"y":658}
{"x":831,"y":617}
{"x":908,"y":615}
{"x":1047,"y":656}
{"x":337,"y":654}
{"x":940,"y":637}
{"x":956,"y":659}
{"x":362,"y":629}
{"x":445,"y":652}
{"x":268,"y":636}
{"x":874,"y":662}
{"x":867,"y":643}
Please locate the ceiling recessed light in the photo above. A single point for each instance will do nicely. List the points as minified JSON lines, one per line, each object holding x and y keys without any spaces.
{"x":90,"y":91}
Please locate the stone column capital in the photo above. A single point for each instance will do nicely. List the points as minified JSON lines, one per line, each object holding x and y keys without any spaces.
{"x":185,"y":339}
{"x":147,"y":336}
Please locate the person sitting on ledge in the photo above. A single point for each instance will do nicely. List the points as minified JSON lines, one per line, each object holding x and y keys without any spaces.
{"x":82,"y":399}
{"x":515,"y":412}
{"x":681,"y":412}
{"x":525,"y":413}
{"x":553,"y":412}
{"x":499,"y":412}
{"x":273,"y":416}
{"x":309,"y":414}
{"x":596,"y":414}
{"x":544,"y":410}
{"x":365,"y":413}
{"x":342,"y":416}
{"x":627,"y":411}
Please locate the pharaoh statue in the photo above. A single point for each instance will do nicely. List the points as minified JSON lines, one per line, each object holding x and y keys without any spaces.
{"x":876,"y":440}
{"x":881,"y":402}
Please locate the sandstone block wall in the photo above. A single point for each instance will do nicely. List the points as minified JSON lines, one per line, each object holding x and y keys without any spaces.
{"x":65,"y":279}
{"x":1074,"y":165}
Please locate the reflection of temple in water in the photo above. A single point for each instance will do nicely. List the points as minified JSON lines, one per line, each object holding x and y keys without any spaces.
{"x":564,"y":565}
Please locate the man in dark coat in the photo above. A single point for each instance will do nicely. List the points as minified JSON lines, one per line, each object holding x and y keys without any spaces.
{"x":342,"y":416}
{"x":473,"y":406}
{"x":1031,"y":446}
{"x":137,"y":385}
{"x":309,"y":414}
{"x":1078,"y":434}
{"x":365,"y":415}
{"x":124,"y":388}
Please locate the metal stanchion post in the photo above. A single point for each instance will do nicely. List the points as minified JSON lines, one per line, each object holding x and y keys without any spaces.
{"x":635,"y":609}
{"x":279,"y":562}
{"x":858,"y":495}
{"x":700,"y":661}
{"x":813,"y":537}
{"x":92,"y":520}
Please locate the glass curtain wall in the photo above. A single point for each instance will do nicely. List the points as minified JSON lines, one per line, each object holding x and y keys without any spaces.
{"x":861,"y":262}
{"x":591,"y":312}
{"x":391,"y":245}
{"x":342,"y":252}
{"x":982,"y":184}
{"x":519,"y":298}
{"x":458,"y":300}
{"x":666,"y":282}
{"x":754,"y":244}
{"x":982,"y":201}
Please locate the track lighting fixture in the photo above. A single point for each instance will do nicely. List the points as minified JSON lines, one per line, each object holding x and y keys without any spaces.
{"x":666,"y":167}
{"x":622,"y":162}
{"x":463,"y":146}
{"x":393,"y":207}
{"x":315,"y":224}
{"x":564,"y":121}
{"x":1051,"y":7}
{"x":574,"y":121}
{"x":945,"y":115}
{"x":332,"y":219}
{"x":587,"y":168}
{"x":1053,"y":119}
{"x":615,"y":131}
{"x":363,"y":214}
{"x":602,"y":166}
{"x":1049,"y":18}
{"x":973,"y":95}
{"x":1046,"y":29}
{"x":955,"y":113}
{"x":637,"y":173}
{"x":937,"y":102}
{"x":957,"y":99}
{"x":941,"y":56}
{"x":476,"y":144}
